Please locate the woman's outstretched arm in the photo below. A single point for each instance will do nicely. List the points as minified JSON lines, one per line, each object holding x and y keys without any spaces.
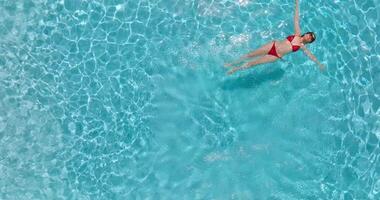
{"x":312,"y":57}
{"x":297,"y":29}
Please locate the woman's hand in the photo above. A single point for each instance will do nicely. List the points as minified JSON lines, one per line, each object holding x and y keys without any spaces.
{"x":313,"y":58}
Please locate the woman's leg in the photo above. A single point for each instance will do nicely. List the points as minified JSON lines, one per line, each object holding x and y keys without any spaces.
{"x":258,"y":52}
{"x":261,"y":60}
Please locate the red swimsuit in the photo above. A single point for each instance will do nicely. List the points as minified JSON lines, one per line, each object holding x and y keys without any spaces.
{"x":294,"y":47}
{"x":273,"y":51}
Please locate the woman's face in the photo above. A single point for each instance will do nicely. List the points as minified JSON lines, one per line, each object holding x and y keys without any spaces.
{"x":307,"y":38}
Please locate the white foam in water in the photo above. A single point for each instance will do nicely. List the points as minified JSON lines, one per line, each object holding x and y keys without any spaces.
{"x":71,"y":127}
{"x":216,"y":156}
{"x":376,"y":190}
{"x":282,"y":24}
{"x":119,"y":7}
{"x":376,"y":130}
{"x":364,"y":46}
{"x":239,"y":39}
{"x":367,"y":106}
{"x":243,"y":2}
{"x":266,"y":34}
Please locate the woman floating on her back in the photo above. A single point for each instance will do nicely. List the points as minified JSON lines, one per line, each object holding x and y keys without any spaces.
{"x":276,"y":49}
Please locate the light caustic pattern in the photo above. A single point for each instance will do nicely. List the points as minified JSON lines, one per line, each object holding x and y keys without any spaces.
{"x":122,"y":99}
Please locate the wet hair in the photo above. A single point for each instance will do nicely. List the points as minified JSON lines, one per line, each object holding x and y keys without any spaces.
{"x":312,"y":36}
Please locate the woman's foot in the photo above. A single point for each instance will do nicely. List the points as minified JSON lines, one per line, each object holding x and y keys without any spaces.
{"x":228,"y":65}
{"x":241,"y":59}
{"x":233,"y":70}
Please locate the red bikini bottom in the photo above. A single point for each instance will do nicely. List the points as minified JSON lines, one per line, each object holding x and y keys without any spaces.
{"x":273,"y":51}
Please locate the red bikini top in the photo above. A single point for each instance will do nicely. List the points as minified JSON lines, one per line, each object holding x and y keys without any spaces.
{"x":290,"y":39}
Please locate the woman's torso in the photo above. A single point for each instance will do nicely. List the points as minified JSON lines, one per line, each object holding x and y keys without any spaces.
{"x":285,"y":46}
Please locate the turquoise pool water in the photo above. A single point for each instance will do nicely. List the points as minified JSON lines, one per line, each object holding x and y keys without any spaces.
{"x":128,"y":99}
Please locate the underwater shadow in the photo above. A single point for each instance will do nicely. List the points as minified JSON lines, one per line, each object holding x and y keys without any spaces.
{"x":253,"y":80}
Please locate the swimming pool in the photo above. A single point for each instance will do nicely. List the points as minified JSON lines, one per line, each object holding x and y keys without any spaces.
{"x":128,"y":99}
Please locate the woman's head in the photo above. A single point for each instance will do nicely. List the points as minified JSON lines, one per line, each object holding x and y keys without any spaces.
{"x":308,"y":37}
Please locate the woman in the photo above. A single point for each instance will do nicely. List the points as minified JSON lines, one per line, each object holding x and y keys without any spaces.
{"x":276,"y":49}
